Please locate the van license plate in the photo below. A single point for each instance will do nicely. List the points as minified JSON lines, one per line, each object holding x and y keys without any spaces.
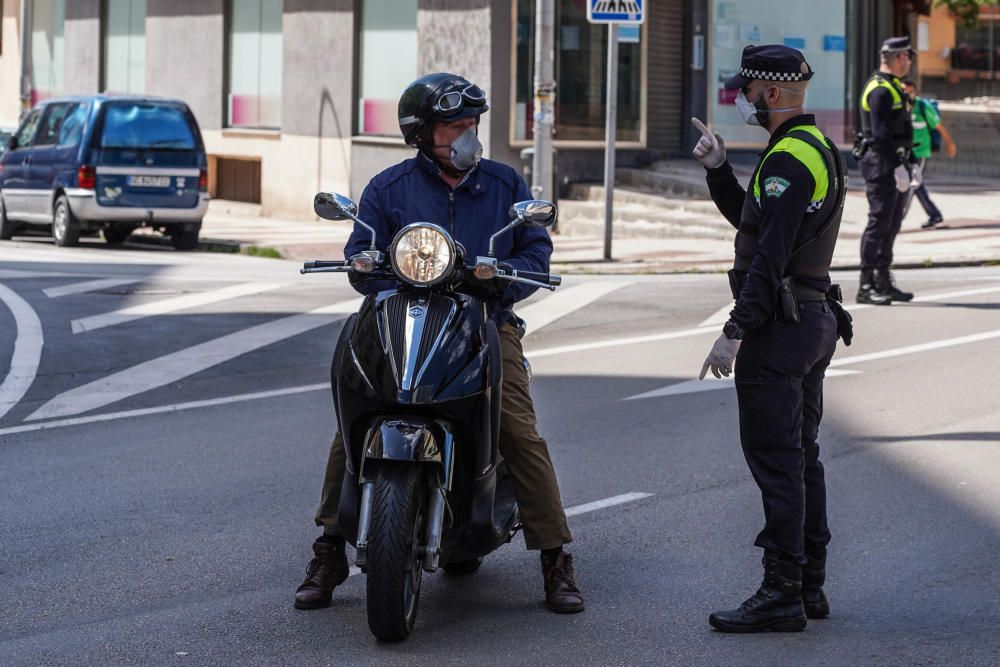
{"x":149,"y":181}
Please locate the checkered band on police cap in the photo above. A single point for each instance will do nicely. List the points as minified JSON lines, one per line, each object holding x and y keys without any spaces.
{"x":774,"y":76}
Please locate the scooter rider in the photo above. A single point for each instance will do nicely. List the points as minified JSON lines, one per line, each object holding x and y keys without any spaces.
{"x":449,"y":183}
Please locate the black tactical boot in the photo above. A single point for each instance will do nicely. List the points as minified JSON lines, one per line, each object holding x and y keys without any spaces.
{"x":868,"y":293}
{"x":325,"y":572}
{"x":813,"y":598}
{"x":776,"y":606}
{"x":886,"y":283}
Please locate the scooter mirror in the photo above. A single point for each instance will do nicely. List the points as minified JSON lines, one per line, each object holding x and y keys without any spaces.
{"x":534,"y":213}
{"x":333,"y":206}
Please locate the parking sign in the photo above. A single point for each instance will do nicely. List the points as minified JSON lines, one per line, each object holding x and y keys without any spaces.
{"x":616,"y":11}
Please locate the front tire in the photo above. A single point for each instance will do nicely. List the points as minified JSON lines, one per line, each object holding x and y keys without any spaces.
{"x":65,"y":227}
{"x":394,"y":560}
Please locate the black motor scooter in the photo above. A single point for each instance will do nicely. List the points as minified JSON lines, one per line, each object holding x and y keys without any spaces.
{"x":416,"y":380}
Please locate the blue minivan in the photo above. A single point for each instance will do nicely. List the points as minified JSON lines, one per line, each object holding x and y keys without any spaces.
{"x":106,"y":164}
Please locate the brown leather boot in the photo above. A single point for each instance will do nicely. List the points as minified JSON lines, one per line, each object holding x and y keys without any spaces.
{"x":325,"y":572}
{"x":562,"y":595}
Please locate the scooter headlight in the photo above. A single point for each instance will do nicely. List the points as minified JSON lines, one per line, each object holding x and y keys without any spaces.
{"x":423,"y":254}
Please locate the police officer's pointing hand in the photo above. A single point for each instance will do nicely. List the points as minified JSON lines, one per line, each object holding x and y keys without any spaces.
{"x":710,"y":149}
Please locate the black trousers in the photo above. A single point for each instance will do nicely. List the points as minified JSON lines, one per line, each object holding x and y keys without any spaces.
{"x":886,"y":206}
{"x":779,"y":385}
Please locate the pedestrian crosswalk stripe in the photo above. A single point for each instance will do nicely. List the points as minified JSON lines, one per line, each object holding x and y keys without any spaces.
{"x":166,"y":306}
{"x":545,"y":311}
{"x":176,"y":366}
{"x":88,"y":286}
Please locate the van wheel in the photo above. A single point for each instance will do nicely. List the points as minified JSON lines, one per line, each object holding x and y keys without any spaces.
{"x":115,"y":234}
{"x":65,"y":228}
{"x":7,"y":228}
{"x":184,"y":239}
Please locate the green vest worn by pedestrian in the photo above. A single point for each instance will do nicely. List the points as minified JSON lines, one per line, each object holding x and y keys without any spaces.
{"x":899,"y":121}
{"x":813,"y":251}
{"x":925,"y":119}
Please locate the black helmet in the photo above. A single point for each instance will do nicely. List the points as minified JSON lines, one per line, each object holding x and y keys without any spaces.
{"x":437,"y":98}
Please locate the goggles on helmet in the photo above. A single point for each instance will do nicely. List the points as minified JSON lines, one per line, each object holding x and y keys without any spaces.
{"x":454,"y":101}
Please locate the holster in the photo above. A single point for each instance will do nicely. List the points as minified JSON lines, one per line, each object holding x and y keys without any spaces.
{"x":788,"y":304}
{"x":845,"y":326}
{"x":860,"y":146}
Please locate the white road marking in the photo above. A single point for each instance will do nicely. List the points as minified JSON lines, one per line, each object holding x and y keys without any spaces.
{"x":607,"y":502}
{"x":27,"y":350}
{"x":634,"y":340}
{"x":161,"y":409}
{"x":930,"y":298}
{"x":709,"y":384}
{"x":922,"y":347}
{"x":178,"y":365}
{"x":720,"y":316}
{"x":565,"y":301}
{"x":166,"y":306}
{"x":18,"y":273}
{"x":581,"y":509}
{"x":88,"y":286}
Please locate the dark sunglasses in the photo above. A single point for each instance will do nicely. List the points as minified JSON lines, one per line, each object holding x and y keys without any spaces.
{"x":454,"y":101}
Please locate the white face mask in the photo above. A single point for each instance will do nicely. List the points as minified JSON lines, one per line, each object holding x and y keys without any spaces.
{"x":751,"y":114}
{"x":747,"y":109}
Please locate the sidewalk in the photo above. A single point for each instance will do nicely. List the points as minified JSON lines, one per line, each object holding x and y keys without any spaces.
{"x":655,"y":234}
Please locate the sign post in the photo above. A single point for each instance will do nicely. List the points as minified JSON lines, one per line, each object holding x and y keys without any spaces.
{"x":613,"y":13}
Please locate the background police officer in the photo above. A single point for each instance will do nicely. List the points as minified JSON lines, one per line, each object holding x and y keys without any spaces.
{"x":783,"y":325}
{"x":887,"y":129}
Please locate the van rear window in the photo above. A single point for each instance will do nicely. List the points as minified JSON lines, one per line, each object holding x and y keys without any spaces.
{"x":146,"y":125}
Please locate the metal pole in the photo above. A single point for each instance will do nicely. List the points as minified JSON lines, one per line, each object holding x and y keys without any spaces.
{"x":25,"y":52}
{"x":545,"y":95}
{"x":610,"y":134}
{"x":992,"y":46}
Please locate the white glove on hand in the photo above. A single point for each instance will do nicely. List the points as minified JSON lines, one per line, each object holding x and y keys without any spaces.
{"x":710,"y":149}
{"x":917,"y":177}
{"x":902,"y":178}
{"x":721,"y":358}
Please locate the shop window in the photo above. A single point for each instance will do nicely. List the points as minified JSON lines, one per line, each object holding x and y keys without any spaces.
{"x":124,"y":41}
{"x":47,"y":48}
{"x":581,"y":55}
{"x":817,"y":29}
{"x":387,"y":59}
{"x":973,"y":45}
{"x":254,"y":63}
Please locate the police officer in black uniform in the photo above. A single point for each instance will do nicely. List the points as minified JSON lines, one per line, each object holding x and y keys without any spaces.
{"x":784,"y":325}
{"x":888,"y":167}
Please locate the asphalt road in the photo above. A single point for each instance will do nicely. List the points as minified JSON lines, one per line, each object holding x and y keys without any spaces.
{"x":161,"y":455}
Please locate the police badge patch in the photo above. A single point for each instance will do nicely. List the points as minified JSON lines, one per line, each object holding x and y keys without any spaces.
{"x":775,"y":186}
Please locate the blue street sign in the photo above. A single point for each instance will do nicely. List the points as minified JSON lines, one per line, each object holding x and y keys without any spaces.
{"x":616,"y":11}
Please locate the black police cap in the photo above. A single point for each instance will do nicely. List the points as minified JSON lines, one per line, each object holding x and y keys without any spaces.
{"x":770,"y":62}
{"x":898,"y":45}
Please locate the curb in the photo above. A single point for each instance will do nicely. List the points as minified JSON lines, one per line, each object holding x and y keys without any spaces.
{"x":211,"y":245}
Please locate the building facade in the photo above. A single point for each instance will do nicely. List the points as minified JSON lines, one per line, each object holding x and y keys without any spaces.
{"x":296,"y":96}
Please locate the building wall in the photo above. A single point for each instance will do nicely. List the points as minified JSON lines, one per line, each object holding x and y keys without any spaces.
{"x":10,"y":64}
{"x":82,"y":33}
{"x":940,"y":26}
{"x":665,"y":76}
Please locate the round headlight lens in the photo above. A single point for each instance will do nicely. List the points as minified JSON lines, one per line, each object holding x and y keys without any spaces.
{"x":423,"y":254}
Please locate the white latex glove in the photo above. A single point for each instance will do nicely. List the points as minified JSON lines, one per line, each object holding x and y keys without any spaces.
{"x":710,"y":149}
{"x":917,"y":177}
{"x":721,"y":358}
{"x":902,"y":178}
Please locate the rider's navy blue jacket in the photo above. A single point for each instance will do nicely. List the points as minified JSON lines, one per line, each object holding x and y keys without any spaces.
{"x":412,"y":191}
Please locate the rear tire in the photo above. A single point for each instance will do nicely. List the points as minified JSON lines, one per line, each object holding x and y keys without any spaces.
{"x":183,"y":239}
{"x":7,"y":228}
{"x":394,"y":562}
{"x":65,"y":227}
{"x":463,"y":568}
{"x":115,"y":235}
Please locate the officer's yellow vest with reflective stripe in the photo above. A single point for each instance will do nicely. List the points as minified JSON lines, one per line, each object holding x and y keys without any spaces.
{"x":879,"y":82}
{"x":808,"y":156}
